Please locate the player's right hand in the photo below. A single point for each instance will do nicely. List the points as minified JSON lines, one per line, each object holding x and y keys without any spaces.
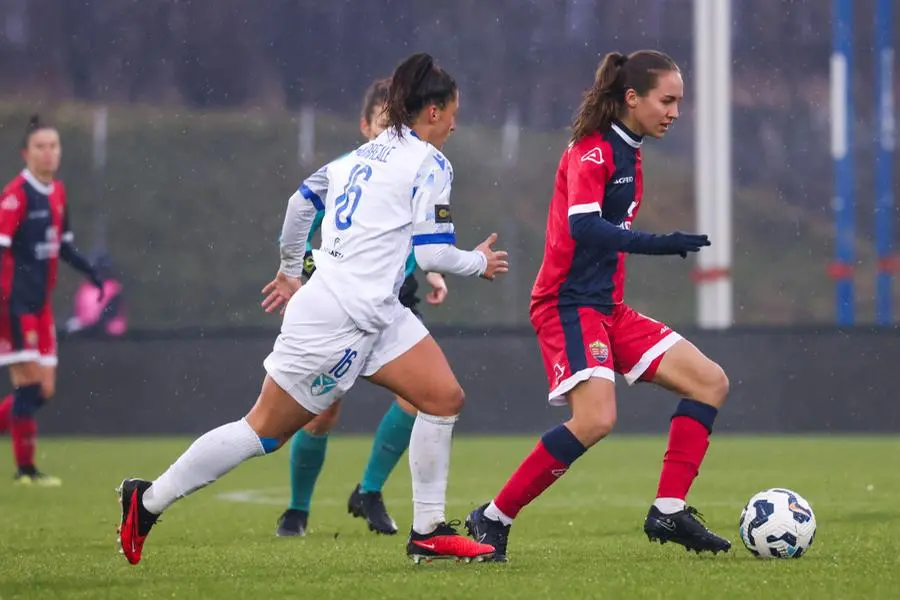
{"x":681,"y":243}
{"x":279,"y":291}
{"x":496,"y":259}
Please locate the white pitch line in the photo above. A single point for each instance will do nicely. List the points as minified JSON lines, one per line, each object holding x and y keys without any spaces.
{"x":279,"y":497}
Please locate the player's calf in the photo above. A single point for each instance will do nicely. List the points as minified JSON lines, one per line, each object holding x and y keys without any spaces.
{"x":703,"y":386}
{"x":210,"y":457}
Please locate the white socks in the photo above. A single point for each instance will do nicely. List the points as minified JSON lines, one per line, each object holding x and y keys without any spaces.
{"x":495,"y":514}
{"x":210,"y":457}
{"x":429,"y":463}
{"x":669,"y":505}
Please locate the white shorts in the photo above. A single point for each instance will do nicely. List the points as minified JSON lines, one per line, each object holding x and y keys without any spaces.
{"x":321,"y":352}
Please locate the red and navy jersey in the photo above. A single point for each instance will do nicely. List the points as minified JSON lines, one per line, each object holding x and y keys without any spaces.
{"x":599,"y":174}
{"x":33,"y":224}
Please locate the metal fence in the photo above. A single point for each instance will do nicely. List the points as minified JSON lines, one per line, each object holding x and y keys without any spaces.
{"x":186,"y":125}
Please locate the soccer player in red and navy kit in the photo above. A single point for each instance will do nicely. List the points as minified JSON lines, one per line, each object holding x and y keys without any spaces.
{"x":585,"y":330}
{"x":34,"y":234}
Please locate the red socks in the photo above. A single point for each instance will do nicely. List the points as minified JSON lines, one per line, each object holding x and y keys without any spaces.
{"x":5,"y":412}
{"x":26,"y":402}
{"x":688,"y":440}
{"x":23,"y":431}
{"x":549,"y":461}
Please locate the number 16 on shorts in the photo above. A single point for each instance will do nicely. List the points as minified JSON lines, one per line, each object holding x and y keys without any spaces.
{"x":326,"y":382}
{"x":343,"y":365}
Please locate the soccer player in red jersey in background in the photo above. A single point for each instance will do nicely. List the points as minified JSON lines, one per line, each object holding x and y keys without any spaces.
{"x":34,"y":234}
{"x":585,"y":330}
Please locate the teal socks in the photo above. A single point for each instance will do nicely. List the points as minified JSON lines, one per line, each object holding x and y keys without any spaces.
{"x":391,"y":441}
{"x":307,"y":458}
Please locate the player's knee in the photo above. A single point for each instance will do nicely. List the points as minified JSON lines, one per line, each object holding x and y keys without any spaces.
{"x":456,"y":397}
{"x":446,"y":402}
{"x":592,"y":425}
{"x":714,"y":385}
{"x":590,"y":430}
{"x":48,"y":389}
{"x":600,"y":426}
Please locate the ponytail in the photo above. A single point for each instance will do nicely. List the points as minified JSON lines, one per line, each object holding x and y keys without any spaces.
{"x":417,"y":83}
{"x":617,"y":73}
{"x":601,"y":104}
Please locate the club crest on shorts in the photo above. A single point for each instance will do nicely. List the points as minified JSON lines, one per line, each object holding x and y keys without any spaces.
{"x":322,"y":385}
{"x":599,"y":351}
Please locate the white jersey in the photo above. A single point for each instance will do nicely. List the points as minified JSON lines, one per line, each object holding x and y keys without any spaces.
{"x":387,"y":195}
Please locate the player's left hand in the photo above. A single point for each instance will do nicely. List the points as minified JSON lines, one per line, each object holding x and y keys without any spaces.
{"x":279,"y":291}
{"x":497,"y":262}
{"x":438,"y":291}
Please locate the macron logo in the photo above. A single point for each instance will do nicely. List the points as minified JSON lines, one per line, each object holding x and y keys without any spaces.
{"x":593,"y":155}
{"x":440,"y":160}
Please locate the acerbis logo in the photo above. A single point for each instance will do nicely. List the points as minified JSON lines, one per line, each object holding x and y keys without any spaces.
{"x":622,"y":180}
{"x":594,"y":155}
{"x":10,"y":203}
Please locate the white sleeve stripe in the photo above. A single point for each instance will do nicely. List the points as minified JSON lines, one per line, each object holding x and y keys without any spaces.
{"x":5,"y":241}
{"x":581,"y":209}
{"x":68,"y":237}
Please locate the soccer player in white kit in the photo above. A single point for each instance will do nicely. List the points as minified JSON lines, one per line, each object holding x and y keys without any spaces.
{"x":347,"y":321}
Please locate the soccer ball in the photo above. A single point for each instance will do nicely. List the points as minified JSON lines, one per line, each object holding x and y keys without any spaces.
{"x":778,"y":523}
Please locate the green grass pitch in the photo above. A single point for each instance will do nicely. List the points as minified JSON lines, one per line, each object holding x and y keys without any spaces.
{"x":582,"y":539}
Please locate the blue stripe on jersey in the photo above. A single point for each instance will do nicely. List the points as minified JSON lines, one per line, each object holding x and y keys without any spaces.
{"x":311,"y":196}
{"x":433,"y":238}
{"x":574,"y":338}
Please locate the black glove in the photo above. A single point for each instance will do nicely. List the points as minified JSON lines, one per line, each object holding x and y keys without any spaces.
{"x":309,"y":265}
{"x":679,"y":243}
{"x":97,"y":282}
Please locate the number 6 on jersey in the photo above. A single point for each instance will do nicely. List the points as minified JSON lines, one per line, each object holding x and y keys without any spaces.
{"x":346,"y":203}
